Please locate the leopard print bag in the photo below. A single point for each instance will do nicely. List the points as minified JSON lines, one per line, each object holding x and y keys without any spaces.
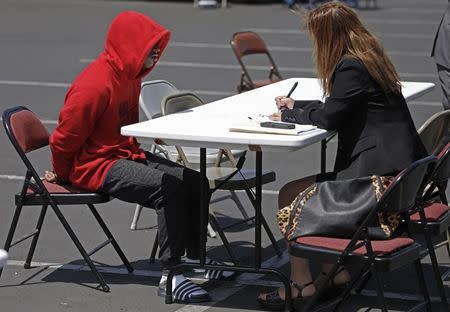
{"x":336,"y":209}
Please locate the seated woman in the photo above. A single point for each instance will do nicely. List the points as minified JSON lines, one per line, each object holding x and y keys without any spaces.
{"x":364,"y":104}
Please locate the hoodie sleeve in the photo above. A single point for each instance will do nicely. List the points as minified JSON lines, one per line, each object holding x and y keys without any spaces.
{"x":346,"y":92}
{"x":76,"y":122}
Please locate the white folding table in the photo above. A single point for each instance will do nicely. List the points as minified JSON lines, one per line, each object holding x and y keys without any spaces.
{"x":208,"y":126}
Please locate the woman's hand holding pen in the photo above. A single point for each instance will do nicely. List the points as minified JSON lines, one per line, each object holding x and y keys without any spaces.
{"x":283,"y":102}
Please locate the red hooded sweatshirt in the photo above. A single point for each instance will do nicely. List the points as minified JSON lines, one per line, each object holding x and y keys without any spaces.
{"x":103,"y":98}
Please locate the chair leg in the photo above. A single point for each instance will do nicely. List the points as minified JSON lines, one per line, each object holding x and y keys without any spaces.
{"x":264,"y":223}
{"x":35,"y":237}
{"x":238,"y":203}
{"x":111,"y":237}
{"x":154,"y":249}
{"x":210,"y":231}
{"x":448,"y":242}
{"x":380,"y":291}
{"x":363,"y":283}
{"x":447,"y":273}
{"x":422,"y":284}
{"x":137,"y":214}
{"x":12,"y":229}
{"x":222,"y":236}
{"x":435,"y":266}
{"x":80,"y":247}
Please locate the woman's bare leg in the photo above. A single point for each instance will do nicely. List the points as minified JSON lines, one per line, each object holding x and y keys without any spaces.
{"x":300,"y":272}
{"x":290,"y":190}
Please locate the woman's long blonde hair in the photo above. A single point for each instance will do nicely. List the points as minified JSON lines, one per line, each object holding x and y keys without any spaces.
{"x":337,"y":33}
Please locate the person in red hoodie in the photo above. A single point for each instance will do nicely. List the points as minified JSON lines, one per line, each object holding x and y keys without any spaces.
{"x":89,"y":151}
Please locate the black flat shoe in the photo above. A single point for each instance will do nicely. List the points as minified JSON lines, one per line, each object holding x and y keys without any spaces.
{"x":273,"y":301}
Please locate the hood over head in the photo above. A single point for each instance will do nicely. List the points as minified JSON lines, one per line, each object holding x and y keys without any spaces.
{"x":130,"y":38}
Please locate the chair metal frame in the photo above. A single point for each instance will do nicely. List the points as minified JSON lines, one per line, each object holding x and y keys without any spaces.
{"x":245,"y":43}
{"x":437,"y":180}
{"x":35,"y":192}
{"x":225,"y":178}
{"x":151,"y":107}
{"x":402,"y":195}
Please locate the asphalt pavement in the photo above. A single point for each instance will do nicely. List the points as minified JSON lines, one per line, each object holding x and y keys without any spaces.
{"x":46,"y":43}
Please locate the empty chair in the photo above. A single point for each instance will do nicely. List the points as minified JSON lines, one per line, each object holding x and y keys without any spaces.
{"x":248,"y":43}
{"x":152,"y":94}
{"x":27,"y":134}
{"x":434,"y":131}
{"x":432,"y":218}
{"x":223,"y":178}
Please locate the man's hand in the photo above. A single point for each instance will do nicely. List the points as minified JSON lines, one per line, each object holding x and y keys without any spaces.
{"x":50,"y":176}
{"x":284,"y":102}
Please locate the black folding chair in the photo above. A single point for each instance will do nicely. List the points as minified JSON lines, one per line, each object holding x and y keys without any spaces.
{"x":375,"y":256}
{"x":432,"y":218}
{"x":27,"y":133}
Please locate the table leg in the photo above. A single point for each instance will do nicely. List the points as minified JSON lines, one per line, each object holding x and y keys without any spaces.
{"x":204,"y":205}
{"x":258,"y":191}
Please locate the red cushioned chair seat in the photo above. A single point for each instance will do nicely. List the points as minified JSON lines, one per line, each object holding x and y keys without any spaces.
{"x":433,"y":212}
{"x":62,"y":195}
{"x":59,"y":189}
{"x":380,"y":248}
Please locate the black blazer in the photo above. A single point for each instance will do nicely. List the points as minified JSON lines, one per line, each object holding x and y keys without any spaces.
{"x":376,"y":134}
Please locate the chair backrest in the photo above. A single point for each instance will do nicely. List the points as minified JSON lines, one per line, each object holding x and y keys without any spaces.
{"x":178,"y":102}
{"x":402,"y":193}
{"x":441,"y":172}
{"x":26,"y":133}
{"x":24,"y":129}
{"x":434,"y":131}
{"x":152,"y":94}
{"x":246,"y":43}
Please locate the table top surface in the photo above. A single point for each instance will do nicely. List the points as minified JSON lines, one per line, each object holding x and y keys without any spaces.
{"x":208,"y":125}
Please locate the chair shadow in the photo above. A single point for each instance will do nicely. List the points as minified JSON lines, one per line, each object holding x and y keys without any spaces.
{"x":145,"y":273}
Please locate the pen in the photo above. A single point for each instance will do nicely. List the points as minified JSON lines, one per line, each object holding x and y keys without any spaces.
{"x":292,"y":89}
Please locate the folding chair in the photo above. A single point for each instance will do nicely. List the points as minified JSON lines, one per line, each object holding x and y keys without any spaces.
{"x":152,"y":94}
{"x":27,"y":133}
{"x":435,"y":135}
{"x":433,"y":218}
{"x":435,"y":131}
{"x":376,"y":256}
{"x":249,"y":43}
{"x":223,"y":178}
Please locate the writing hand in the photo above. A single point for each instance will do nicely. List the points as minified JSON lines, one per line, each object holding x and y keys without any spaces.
{"x":284,"y":102}
{"x":275,"y":117}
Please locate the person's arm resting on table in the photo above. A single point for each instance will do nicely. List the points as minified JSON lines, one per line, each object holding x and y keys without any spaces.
{"x":345,"y":94}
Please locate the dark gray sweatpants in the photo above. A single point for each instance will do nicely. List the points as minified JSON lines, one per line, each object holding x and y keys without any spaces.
{"x":169,"y":188}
